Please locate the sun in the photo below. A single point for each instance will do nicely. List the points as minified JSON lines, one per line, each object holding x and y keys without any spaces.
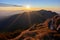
{"x":28,"y":6}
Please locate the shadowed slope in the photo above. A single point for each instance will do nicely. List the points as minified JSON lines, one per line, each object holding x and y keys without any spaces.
{"x":26,"y":19}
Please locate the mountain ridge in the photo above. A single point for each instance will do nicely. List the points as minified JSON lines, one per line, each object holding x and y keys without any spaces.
{"x":21,"y":21}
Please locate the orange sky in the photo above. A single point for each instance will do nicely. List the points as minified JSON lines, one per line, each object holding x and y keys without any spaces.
{"x":31,"y":8}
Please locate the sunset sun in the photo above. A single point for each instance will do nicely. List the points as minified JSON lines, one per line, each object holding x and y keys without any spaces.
{"x":28,"y":6}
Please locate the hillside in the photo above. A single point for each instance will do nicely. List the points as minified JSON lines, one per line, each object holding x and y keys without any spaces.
{"x":33,"y":25}
{"x":24,"y":20}
{"x":34,"y":32}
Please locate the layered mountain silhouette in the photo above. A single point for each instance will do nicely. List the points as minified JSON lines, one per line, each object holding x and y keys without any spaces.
{"x":25,"y":20}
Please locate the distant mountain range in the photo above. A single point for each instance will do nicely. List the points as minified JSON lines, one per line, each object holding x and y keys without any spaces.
{"x":9,"y":5}
{"x":25,"y":20}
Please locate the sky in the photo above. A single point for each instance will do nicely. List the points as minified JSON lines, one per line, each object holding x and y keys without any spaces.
{"x":34,"y":3}
{"x":46,"y":4}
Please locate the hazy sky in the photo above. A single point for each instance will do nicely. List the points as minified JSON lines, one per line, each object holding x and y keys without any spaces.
{"x":34,"y":3}
{"x":48,"y":4}
{"x":53,"y":5}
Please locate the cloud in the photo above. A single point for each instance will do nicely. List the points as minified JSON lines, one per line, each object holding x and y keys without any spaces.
{"x":9,"y":5}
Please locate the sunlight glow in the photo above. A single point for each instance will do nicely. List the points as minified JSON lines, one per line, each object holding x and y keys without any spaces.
{"x":28,"y":6}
